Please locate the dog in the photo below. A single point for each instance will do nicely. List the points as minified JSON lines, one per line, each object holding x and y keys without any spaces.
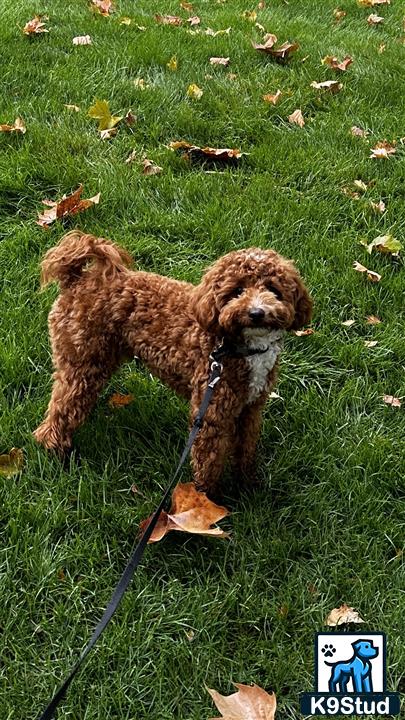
{"x":358,"y":669}
{"x":107,"y":313}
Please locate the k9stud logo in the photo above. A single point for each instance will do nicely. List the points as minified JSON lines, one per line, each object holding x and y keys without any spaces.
{"x":350,"y":676}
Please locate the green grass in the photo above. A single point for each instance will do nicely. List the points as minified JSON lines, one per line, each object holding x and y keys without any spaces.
{"x":328,"y":524}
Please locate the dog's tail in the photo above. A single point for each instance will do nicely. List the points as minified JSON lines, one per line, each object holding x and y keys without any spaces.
{"x":76,"y":250}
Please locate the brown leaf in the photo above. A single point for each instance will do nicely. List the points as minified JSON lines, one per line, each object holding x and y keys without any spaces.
{"x":304,"y":333}
{"x":149,"y":168}
{"x":261,"y":5}
{"x":273,"y":99}
{"x":371,"y":275}
{"x":358,"y":132}
{"x":281,"y":53}
{"x":117,"y":400}
{"x":386,"y":244}
{"x":18,"y":126}
{"x":191,"y":511}
{"x":82,"y":40}
{"x":131,"y":157}
{"x":251,"y":702}
{"x":104,"y":7}
{"x":373,"y":320}
{"x":193,"y":20}
{"x":186,"y":6}
{"x":343,"y":615}
{"x":35,"y":26}
{"x":220,"y":61}
{"x":383,"y":149}
{"x":68,"y":205}
{"x":392,"y":400}
{"x":108,"y":133}
{"x":332,"y":86}
{"x":374,"y":19}
{"x":296,"y":118}
{"x":372,"y":3}
{"x":339,"y":14}
{"x":130,"y":118}
{"x":194,"y":151}
{"x":168,"y":19}
{"x":11,"y":463}
{"x":269,"y":41}
{"x":334,"y":63}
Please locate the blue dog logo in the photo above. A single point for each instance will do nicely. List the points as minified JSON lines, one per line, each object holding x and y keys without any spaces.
{"x":358,"y":669}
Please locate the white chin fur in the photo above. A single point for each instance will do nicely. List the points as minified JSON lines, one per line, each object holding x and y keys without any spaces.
{"x":261,"y":365}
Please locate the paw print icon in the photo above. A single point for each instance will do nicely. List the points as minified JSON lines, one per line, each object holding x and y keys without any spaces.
{"x":328,"y":650}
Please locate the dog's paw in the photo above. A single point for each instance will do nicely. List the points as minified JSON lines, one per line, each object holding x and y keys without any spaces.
{"x":328,"y":650}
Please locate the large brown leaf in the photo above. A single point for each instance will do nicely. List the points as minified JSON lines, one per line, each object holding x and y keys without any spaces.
{"x":281,"y":53}
{"x":68,"y":205}
{"x":35,"y":26}
{"x":251,"y":702}
{"x":18,"y":126}
{"x":207,"y":153}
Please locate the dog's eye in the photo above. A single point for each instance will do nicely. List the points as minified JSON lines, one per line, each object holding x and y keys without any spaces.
{"x":237,"y":292}
{"x":274,"y":290}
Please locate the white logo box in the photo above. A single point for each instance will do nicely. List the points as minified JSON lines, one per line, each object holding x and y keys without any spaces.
{"x":344,"y":651}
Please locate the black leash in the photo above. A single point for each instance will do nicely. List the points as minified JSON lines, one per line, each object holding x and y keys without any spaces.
{"x":126,"y":577}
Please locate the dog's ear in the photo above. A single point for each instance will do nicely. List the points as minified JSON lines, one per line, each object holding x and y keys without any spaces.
{"x":303,"y":306}
{"x":204,"y":304}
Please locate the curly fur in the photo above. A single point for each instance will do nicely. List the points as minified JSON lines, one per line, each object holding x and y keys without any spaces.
{"x":106,"y":313}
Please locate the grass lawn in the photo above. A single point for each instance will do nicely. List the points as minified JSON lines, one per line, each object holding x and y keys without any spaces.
{"x":328,"y":524}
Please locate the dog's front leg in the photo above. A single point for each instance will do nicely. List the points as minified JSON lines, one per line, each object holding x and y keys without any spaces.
{"x":216,"y":437}
{"x":247,"y":434}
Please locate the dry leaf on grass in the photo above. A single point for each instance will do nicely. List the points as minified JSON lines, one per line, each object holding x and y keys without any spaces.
{"x":281,"y":53}
{"x":206,"y":153}
{"x":149,"y":168}
{"x":342,"y":616}
{"x":172,"y":64}
{"x":74,"y":108}
{"x":186,"y":6}
{"x":250,"y":15}
{"x":220,"y":61}
{"x":131,"y":157}
{"x":373,"y":320}
{"x":117,"y":400}
{"x":348,"y":323}
{"x":193,"y":20}
{"x":381,"y":48}
{"x":35,"y":26}
{"x":130,"y":119}
{"x":358,"y":132}
{"x":18,"y":126}
{"x":371,"y":275}
{"x":82,"y":40}
{"x":339,"y":14}
{"x":168,"y":19}
{"x":101,"y":111}
{"x":251,"y":702}
{"x":370,"y":343}
{"x":392,"y":400}
{"x":332,"y":86}
{"x":213,"y":33}
{"x":104,"y":7}
{"x":304,"y":333}
{"x":108,"y":133}
{"x":296,"y":118}
{"x":11,"y":463}
{"x":372,"y":3}
{"x":68,"y":205}
{"x":383,"y":149}
{"x":334,"y":63}
{"x":194,"y":92}
{"x":374,"y":19}
{"x":378,"y":207}
{"x":191,"y":511}
{"x":385,"y":244}
{"x":361,"y":185}
{"x":125,"y":20}
{"x":273,"y":99}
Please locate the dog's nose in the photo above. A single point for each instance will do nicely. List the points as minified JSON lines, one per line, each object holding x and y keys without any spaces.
{"x":256,"y":314}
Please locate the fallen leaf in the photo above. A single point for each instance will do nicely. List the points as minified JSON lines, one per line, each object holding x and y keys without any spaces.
{"x":168,"y":19}
{"x":186,"y":6}
{"x":358,"y":132}
{"x":68,"y":205}
{"x":213,"y":33}
{"x":220,"y":61}
{"x":348,"y":323}
{"x":11,"y":463}
{"x":101,"y":111}
{"x":383,"y":149}
{"x":117,"y":400}
{"x":250,"y":15}
{"x":350,"y":193}
{"x":194,"y":92}
{"x":381,"y":48}
{"x":261,"y":5}
{"x":385,"y":244}
{"x":75,"y":108}
{"x":275,"y":396}
{"x":296,"y":118}
{"x":392,"y":400}
{"x":18,"y":126}
{"x":142,"y":28}
{"x":131,"y":157}
{"x":374,"y":19}
{"x":273,"y":99}
{"x":130,"y":118}
{"x":332,"y":86}
{"x":378,"y":207}
{"x":208,"y":153}
{"x":372,"y":3}
{"x":104,"y":7}
{"x":370,"y":343}
{"x":231,"y":76}
{"x":373,"y":320}
{"x":193,"y":20}
{"x":35,"y":26}
{"x":342,"y":616}
{"x":149,"y":168}
{"x":140,"y":83}
{"x":339,"y":14}
{"x":260,"y":27}
{"x":82,"y":40}
{"x":251,"y":702}
{"x":108,"y":133}
{"x":304,"y":333}
{"x":190,"y":635}
{"x":191,"y":511}
{"x":172,"y":64}
{"x":125,"y":20}
{"x":334,"y":63}
{"x":361,"y":185}
{"x":281,"y":53}
{"x":269,"y":41}
{"x":371,"y":275}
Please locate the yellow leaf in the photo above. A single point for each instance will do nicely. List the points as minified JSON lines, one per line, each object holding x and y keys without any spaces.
{"x":125,"y":21}
{"x":195,"y":92}
{"x":172,"y":64}
{"x":11,"y":463}
{"x":101,"y":111}
{"x":117,"y":400}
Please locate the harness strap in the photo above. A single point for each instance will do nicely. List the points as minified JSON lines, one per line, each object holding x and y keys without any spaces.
{"x":126,"y":577}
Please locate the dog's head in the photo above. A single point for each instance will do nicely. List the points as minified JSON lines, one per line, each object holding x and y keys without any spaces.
{"x":251,"y":288}
{"x":365,"y":649}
